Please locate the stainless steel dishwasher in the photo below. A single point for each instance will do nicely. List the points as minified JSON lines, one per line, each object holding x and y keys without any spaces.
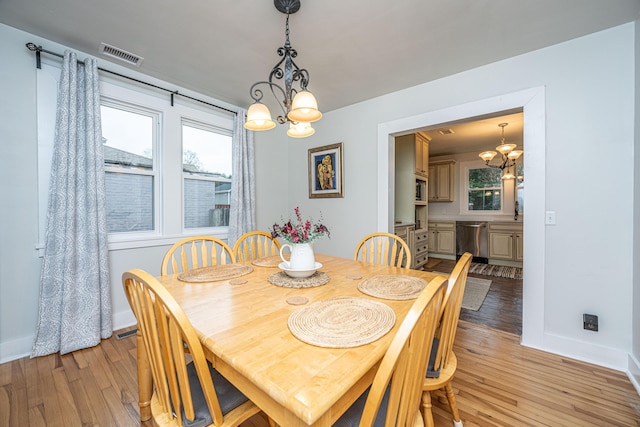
{"x":472,"y":237}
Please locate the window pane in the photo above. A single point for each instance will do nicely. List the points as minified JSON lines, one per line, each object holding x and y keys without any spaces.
{"x":207,"y":184}
{"x":128,"y":139}
{"x":520,"y":187}
{"x":484,"y":189}
{"x":129,"y":202}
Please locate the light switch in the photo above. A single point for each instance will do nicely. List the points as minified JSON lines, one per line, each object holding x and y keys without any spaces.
{"x":550,"y":218}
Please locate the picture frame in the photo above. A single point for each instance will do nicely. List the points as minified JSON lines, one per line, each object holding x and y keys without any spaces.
{"x":326,"y":171}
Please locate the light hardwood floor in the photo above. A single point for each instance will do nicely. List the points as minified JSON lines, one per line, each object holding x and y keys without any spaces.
{"x":498,"y":383}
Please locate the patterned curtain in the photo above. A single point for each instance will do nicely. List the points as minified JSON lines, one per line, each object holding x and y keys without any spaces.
{"x":242,"y":215}
{"x":75,"y":296}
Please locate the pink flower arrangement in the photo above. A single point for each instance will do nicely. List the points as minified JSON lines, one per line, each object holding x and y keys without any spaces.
{"x":300,"y":231}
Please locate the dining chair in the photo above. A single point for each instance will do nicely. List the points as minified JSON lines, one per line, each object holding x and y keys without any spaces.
{"x":383,"y":249}
{"x":195,"y":252}
{"x":255,"y":244}
{"x":183,"y":392}
{"x":443,"y":362}
{"x":394,"y":396}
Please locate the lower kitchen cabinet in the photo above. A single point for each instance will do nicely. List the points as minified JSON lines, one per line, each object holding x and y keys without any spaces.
{"x":420,"y":251}
{"x":442,"y":237}
{"x":505,"y":241}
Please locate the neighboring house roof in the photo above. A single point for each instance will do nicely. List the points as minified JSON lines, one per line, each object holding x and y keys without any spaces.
{"x":115,"y":156}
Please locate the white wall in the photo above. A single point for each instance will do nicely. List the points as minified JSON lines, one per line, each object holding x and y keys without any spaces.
{"x":634,"y":358}
{"x":588,"y":169}
{"x":19,"y":261}
{"x":589,"y":86}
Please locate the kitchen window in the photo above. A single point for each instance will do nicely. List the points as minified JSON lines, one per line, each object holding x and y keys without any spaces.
{"x":484,"y":189}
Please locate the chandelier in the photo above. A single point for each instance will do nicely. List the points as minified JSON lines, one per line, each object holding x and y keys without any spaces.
{"x":508,"y":154}
{"x":299,"y":107}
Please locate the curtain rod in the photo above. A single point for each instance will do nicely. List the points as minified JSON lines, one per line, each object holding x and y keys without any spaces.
{"x":39,"y":49}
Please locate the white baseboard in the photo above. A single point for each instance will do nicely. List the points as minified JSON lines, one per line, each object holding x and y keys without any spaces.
{"x":586,"y":352}
{"x":634,"y":372}
{"x":17,"y":349}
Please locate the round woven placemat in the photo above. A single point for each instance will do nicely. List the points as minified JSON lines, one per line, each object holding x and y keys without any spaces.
{"x":269,"y":261}
{"x":215,"y":273}
{"x":392,"y":286}
{"x":342,"y":322}
{"x":281,"y":279}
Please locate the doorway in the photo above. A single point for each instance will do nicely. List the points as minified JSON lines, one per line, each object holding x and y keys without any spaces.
{"x":532,"y":103}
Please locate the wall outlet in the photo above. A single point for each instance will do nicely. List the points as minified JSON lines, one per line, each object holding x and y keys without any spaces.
{"x":590,"y":322}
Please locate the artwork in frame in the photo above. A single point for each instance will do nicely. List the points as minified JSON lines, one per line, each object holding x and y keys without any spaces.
{"x":325,"y":171}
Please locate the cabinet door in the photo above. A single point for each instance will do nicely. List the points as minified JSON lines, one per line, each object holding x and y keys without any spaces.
{"x":446,"y":242}
{"x":431,"y":240}
{"x":443,"y":182}
{"x":519,"y":247}
{"x":422,"y":155}
{"x":501,"y":246}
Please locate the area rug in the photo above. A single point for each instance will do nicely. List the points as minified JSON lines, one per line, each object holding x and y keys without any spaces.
{"x":475,"y":292}
{"x":496,"y":270}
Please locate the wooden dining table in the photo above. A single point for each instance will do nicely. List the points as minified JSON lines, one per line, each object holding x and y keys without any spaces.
{"x":243,"y":326}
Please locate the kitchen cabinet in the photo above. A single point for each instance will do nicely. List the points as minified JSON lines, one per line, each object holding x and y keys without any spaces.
{"x":420,"y":251}
{"x":506,"y":241}
{"x":442,"y":237}
{"x":441,"y":181}
{"x":415,"y":146}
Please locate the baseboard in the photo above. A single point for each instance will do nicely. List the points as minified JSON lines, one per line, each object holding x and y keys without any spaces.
{"x":634,"y":372}
{"x":606,"y":357}
{"x":17,"y":349}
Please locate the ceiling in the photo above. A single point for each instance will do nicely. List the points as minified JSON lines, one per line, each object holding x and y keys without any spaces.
{"x":354,"y":50}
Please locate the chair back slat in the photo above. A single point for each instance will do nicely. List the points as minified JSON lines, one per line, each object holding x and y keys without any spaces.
{"x":196,"y":252}
{"x":254,"y":245}
{"x":383,"y":249}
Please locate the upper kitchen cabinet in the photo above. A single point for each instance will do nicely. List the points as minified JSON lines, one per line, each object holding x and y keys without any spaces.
{"x":441,"y":181}
{"x":417,"y":145}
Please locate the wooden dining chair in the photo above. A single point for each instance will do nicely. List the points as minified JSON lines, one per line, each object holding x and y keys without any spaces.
{"x":183,"y":391}
{"x":195,"y":252}
{"x":443,"y":362}
{"x":383,"y":249}
{"x":394,"y":395}
{"x":255,"y":244}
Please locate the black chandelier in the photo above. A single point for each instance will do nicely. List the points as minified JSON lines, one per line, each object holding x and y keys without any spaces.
{"x":508,"y":153}
{"x":299,"y":107}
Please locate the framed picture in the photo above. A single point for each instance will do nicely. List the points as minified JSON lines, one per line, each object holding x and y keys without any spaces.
{"x":325,"y":171}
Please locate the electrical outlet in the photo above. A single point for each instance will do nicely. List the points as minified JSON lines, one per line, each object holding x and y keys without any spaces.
{"x":590,"y":322}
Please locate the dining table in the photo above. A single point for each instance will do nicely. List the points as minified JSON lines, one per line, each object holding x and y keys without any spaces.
{"x":270,"y":335}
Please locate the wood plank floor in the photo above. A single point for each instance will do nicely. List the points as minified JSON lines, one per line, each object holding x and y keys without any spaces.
{"x":498,"y":383}
{"x":501,"y":309}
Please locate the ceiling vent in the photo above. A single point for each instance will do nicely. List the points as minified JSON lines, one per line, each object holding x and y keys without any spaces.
{"x":122,"y":55}
{"x":447,"y":131}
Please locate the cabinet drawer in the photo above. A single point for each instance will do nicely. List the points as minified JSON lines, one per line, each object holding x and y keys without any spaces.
{"x":421,"y":259}
{"x":421,"y":248}
{"x":442,"y":225}
{"x":421,"y":236}
{"x":505,"y":227}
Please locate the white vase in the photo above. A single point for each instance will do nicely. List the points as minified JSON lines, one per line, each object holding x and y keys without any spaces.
{"x":301,"y":258}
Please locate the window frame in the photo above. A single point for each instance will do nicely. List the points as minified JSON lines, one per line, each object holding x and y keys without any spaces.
{"x":194,"y":123}
{"x":465,"y":167}
{"x":156,"y":117}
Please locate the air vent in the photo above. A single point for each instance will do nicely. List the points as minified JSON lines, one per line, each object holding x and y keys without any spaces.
{"x":122,"y":55}
{"x":446,"y":131}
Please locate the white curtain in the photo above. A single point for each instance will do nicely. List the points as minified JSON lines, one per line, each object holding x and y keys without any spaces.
{"x":242,"y":214}
{"x":75,"y":296}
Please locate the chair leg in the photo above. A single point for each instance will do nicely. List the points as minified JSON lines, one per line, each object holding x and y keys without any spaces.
{"x":453,"y":406}
{"x":427,"y":416}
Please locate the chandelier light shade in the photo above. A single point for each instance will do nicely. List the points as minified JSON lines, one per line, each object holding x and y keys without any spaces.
{"x":299,"y":106}
{"x":508,"y":155}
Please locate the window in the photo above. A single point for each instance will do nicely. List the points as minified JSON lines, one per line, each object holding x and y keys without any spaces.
{"x":206,"y":166}
{"x":129,"y":140}
{"x":520,"y":187}
{"x":484,"y":189}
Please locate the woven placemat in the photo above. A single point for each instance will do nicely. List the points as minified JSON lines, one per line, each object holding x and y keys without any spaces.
{"x":215,"y":273}
{"x":342,"y":322}
{"x":392,"y":286}
{"x":282,"y":279}
{"x":268,"y":261}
